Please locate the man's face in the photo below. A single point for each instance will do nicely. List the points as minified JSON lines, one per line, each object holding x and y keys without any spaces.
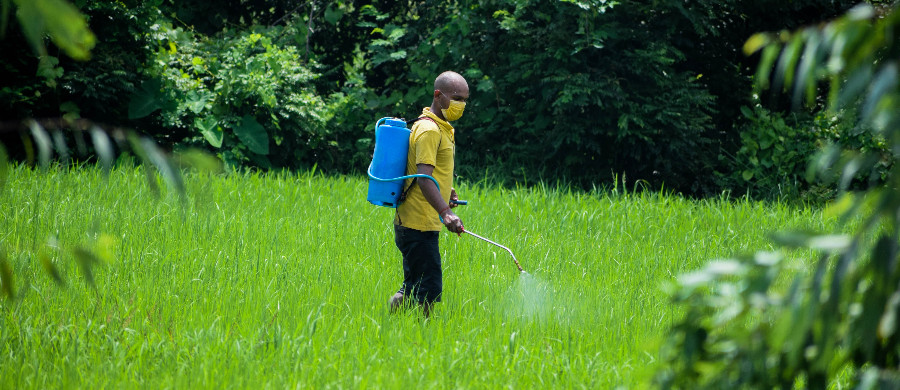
{"x":453,"y":104}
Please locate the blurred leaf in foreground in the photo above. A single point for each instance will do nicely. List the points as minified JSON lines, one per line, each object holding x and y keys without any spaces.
{"x":6,"y":277}
{"x":60,"y":19}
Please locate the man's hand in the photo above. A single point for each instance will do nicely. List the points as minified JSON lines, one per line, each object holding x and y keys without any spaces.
{"x":452,"y":221}
{"x":453,"y":198}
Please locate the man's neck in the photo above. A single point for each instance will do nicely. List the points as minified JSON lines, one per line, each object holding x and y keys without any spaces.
{"x":436,"y":109}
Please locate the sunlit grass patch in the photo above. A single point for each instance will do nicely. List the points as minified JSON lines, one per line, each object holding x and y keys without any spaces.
{"x":283,"y":280}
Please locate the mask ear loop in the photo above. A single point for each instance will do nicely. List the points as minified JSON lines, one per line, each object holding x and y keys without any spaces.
{"x":448,"y":101}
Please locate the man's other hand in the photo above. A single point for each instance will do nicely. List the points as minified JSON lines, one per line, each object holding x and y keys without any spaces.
{"x":453,"y":198}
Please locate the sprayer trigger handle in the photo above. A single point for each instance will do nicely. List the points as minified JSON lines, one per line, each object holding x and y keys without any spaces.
{"x":459,"y":202}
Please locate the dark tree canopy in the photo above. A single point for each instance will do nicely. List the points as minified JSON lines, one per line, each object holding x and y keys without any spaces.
{"x":578,"y":91}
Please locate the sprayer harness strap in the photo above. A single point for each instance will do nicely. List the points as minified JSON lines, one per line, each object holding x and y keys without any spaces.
{"x":413,"y":182}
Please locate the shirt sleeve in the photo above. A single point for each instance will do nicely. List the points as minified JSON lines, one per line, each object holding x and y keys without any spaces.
{"x":427,"y":141}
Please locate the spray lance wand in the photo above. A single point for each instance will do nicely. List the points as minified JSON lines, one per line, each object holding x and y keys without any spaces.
{"x":463,"y":203}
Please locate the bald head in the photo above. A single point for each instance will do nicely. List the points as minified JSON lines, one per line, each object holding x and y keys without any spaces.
{"x":451,"y":82}
{"x":449,"y":88}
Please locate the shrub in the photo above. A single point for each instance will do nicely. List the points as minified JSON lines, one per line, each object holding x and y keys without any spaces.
{"x":776,"y":150}
{"x":243,"y":94}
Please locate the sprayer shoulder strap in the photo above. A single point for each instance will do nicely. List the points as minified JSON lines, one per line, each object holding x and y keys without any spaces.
{"x":413,"y":182}
{"x":412,"y":122}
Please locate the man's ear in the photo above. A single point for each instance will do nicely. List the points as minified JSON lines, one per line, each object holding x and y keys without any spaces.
{"x":436,"y":93}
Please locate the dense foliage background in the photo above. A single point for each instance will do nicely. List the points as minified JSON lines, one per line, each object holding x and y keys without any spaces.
{"x":580,"y":91}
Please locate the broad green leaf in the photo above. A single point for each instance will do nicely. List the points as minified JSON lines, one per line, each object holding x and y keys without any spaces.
{"x":104,"y":148}
{"x":747,"y":175}
{"x":70,"y":110}
{"x":162,"y":163}
{"x":726,"y":267}
{"x":44,"y":145}
{"x":145,"y":100}
{"x":86,"y":261}
{"x":252,"y":134}
{"x":137,"y":147}
{"x":196,"y":101}
{"x":398,"y":55}
{"x":781,"y":329}
{"x":856,"y":83}
{"x":394,"y":33}
{"x":885,"y":116}
{"x":32,"y":22}
{"x":59,"y":143}
{"x":333,"y":14}
{"x":104,"y":248}
{"x":6,"y":275}
{"x":51,"y":269}
{"x":884,"y":260}
{"x":862,"y":11}
{"x":49,"y":70}
{"x":770,"y":53}
{"x":210,"y":129}
{"x":66,"y":25}
{"x":840,"y":206}
{"x":695,"y":279}
{"x":822,"y":163}
{"x":200,"y":160}
{"x":787,"y":63}
{"x":852,"y":50}
{"x":887,"y":325}
{"x":485,"y":85}
{"x":791,"y":239}
{"x":829,"y":242}
{"x":464,"y":28}
{"x":884,"y":82}
{"x":870,"y":379}
{"x":756,"y":42}
{"x":805,"y":79}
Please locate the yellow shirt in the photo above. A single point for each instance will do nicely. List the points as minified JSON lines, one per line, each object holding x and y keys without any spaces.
{"x":430,"y":143}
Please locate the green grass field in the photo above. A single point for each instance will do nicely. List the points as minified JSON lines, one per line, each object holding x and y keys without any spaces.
{"x":276,"y":281}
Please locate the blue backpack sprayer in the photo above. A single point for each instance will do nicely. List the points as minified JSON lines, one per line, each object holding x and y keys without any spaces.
{"x":388,"y":169}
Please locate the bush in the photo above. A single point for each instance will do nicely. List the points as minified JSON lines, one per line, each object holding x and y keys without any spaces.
{"x":246,"y":95}
{"x":776,"y":150}
{"x":770,"y":321}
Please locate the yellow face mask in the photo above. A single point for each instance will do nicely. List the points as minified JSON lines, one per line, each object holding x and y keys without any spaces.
{"x":455,"y":111}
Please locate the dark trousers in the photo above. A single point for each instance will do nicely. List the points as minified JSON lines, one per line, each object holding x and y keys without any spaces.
{"x":422,"y":276}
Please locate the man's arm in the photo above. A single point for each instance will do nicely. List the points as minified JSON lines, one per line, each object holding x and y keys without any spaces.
{"x":434,"y":198}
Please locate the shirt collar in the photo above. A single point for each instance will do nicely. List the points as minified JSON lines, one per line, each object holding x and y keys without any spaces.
{"x":442,"y":124}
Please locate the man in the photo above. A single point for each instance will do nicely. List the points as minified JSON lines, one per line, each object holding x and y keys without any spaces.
{"x":425,"y":209}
